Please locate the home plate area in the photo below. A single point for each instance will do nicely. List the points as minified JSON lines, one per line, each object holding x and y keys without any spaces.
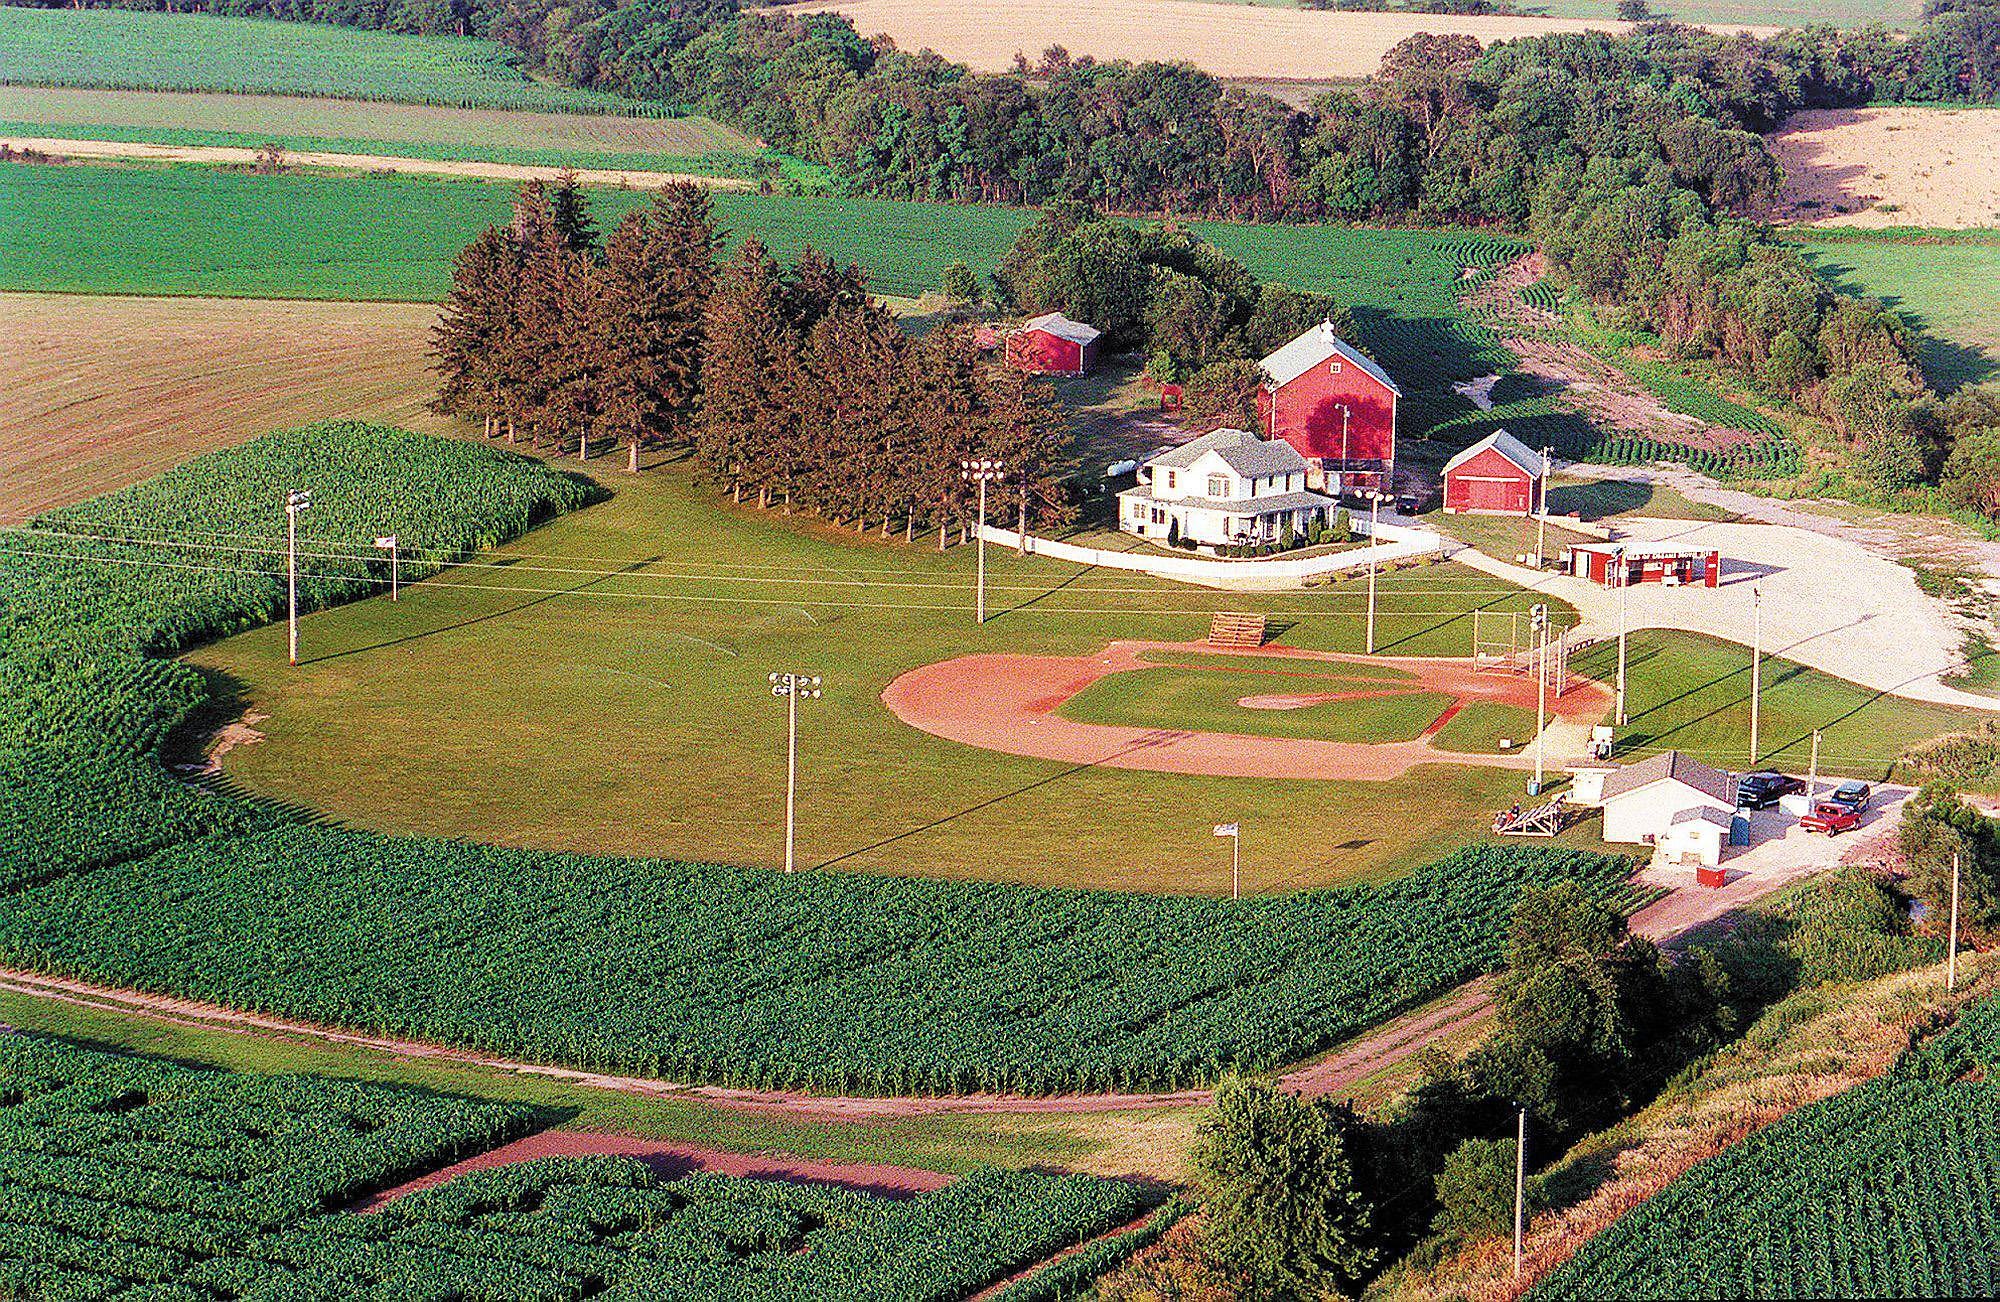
{"x":1388,"y":710}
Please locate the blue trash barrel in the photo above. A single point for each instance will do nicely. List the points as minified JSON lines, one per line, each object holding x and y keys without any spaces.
{"x":1739,"y":829}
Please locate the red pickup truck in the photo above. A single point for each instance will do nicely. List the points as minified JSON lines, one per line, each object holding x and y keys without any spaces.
{"x":1831,"y":819}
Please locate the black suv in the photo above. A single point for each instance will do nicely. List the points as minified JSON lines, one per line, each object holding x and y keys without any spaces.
{"x":1762,"y":790}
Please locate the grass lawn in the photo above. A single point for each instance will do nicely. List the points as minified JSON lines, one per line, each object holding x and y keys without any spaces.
{"x":601,"y":686}
{"x":1690,"y":692}
{"x":1946,"y":283}
{"x":1206,"y":700}
{"x":1478,"y":728}
{"x":119,"y":49}
{"x":1146,"y":1143}
{"x":1506,"y":537}
{"x":1605,"y":499}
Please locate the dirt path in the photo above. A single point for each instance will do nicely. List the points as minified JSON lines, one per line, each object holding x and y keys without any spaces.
{"x":367,"y":162}
{"x":1008,"y":703}
{"x":673,"y":1161}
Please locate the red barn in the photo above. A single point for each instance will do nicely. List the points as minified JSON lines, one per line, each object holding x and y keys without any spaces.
{"x":1335,"y":406}
{"x":1499,"y":475}
{"x":1053,"y":345}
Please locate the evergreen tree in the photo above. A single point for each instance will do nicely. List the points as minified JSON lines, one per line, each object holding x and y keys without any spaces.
{"x":816,"y":286}
{"x":659,"y":270}
{"x":569,"y":210}
{"x":748,"y":353}
{"x":474,"y":327}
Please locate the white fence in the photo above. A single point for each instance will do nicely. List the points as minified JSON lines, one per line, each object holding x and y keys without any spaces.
{"x":1399,"y":542}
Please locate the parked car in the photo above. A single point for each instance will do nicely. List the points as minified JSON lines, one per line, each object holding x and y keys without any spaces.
{"x":1762,"y":790}
{"x":1831,"y":819}
{"x":1850,"y":795}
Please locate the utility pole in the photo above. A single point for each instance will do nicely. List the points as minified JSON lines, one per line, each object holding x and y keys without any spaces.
{"x":1812,"y":774}
{"x":1375,"y":499}
{"x":982,"y":471}
{"x":295,"y":502}
{"x":1345,"y":412}
{"x":1520,"y":1187}
{"x":1951,"y":942}
{"x":1542,"y":515}
{"x":792,"y":687}
{"x":1624,"y":586}
{"x":1756,"y":668}
{"x":1234,"y":831}
{"x":1538,"y":617}
{"x":388,"y":543}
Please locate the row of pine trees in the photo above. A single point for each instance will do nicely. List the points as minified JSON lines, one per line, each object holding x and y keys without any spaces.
{"x":789,"y":385}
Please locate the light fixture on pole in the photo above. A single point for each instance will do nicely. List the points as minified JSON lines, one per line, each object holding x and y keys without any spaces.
{"x":1375,"y":499}
{"x":387,"y":542}
{"x":1346,"y":414}
{"x":1542,"y":515}
{"x":1538,"y":620}
{"x":1624,"y":574}
{"x":982,"y":471}
{"x":792,"y":687}
{"x":1234,"y":831}
{"x":1756,"y":667}
{"x":295,"y":502}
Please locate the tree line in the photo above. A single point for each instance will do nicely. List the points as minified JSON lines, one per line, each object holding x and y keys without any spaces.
{"x":789,"y":384}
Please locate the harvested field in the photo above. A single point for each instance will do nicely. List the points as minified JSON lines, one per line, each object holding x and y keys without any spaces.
{"x":1251,"y":42}
{"x":96,"y":393}
{"x":1882,"y":167}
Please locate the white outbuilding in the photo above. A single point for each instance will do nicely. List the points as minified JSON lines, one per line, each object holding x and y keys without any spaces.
{"x":1642,"y":801}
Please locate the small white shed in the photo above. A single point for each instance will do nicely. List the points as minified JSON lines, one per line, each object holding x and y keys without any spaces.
{"x":1695,"y":837}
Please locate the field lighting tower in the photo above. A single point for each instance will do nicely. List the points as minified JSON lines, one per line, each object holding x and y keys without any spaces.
{"x":1624,"y":586}
{"x":792,"y":687}
{"x":1756,"y":666}
{"x":295,"y":501}
{"x":1375,"y":499}
{"x":982,"y":471}
{"x":1538,"y":620}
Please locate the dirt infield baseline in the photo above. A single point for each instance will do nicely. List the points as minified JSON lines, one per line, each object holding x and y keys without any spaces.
{"x":1009,"y":703}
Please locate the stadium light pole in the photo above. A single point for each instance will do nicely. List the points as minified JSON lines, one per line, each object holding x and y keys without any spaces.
{"x":1542,"y":515}
{"x":982,"y":471}
{"x":1375,"y":499}
{"x":1346,"y":413}
{"x":1624,"y":585}
{"x":1756,"y":667}
{"x":1538,"y":619}
{"x":792,"y":687}
{"x":387,"y":542}
{"x":295,"y":501}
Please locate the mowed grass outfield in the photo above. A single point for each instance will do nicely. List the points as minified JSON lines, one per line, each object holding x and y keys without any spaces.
{"x":1947,"y":283}
{"x":116,"y":49}
{"x":602,"y":686}
{"x":325,"y":125}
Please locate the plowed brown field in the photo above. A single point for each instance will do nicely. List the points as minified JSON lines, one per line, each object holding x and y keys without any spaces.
{"x":1880,"y":167}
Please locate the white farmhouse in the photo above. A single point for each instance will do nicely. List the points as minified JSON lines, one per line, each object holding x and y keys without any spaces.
{"x":1226,"y":487}
{"x":1669,"y":797}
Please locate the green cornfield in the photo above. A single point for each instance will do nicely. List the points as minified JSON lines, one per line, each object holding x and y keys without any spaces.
{"x":129,"y":1176}
{"x":1886,"y":1190}
{"x":120,"y":49}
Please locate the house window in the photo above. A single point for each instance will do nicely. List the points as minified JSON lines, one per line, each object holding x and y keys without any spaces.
{"x":1159,"y":515}
{"x":1170,"y":478}
{"x":1333,"y":367}
{"x":1218,"y":486}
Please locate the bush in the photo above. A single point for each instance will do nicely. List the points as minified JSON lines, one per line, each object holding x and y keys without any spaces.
{"x":1475,"y":1190}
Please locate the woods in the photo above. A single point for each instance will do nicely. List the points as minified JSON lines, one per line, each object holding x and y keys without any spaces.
{"x":789,"y":384}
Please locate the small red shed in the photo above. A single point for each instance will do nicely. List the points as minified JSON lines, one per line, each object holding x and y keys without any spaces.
{"x":1612,"y":563}
{"x":1052,"y":344}
{"x":1337,"y":407}
{"x":1499,"y":475}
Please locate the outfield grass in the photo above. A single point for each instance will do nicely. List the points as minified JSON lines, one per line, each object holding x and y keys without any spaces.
{"x":604,"y":688}
{"x":1945,"y":283}
{"x":1690,"y":692}
{"x":1205,"y":700}
{"x":117,"y":49}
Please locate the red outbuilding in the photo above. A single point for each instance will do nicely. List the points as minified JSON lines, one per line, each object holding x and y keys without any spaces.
{"x":1053,"y":345}
{"x":1499,"y":475}
{"x":1613,"y":563}
{"x":1335,"y":406}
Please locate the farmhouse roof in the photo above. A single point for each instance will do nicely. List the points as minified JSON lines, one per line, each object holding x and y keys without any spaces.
{"x":1689,"y":772}
{"x":1530,"y":461}
{"x":1055,"y":323}
{"x":1320,"y":344}
{"x":1701,"y":814}
{"x":1240,"y":450}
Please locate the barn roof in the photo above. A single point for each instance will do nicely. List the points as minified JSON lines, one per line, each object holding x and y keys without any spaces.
{"x":1530,"y":461}
{"x":1687,"y":771}
{"x":1240,"y":450}
{"x":1055,"y":323}
{"x":1317,"y":345}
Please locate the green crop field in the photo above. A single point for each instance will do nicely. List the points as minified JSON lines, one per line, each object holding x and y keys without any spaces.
{"x":826,"y":980}
{"x":1886,"y":1190}
{"x":118,"y":49}
{"x":1206,"y":700}
{"x":1690,"y":692}
{"x":1946,"y":283}
{"x":126,"y":1176}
